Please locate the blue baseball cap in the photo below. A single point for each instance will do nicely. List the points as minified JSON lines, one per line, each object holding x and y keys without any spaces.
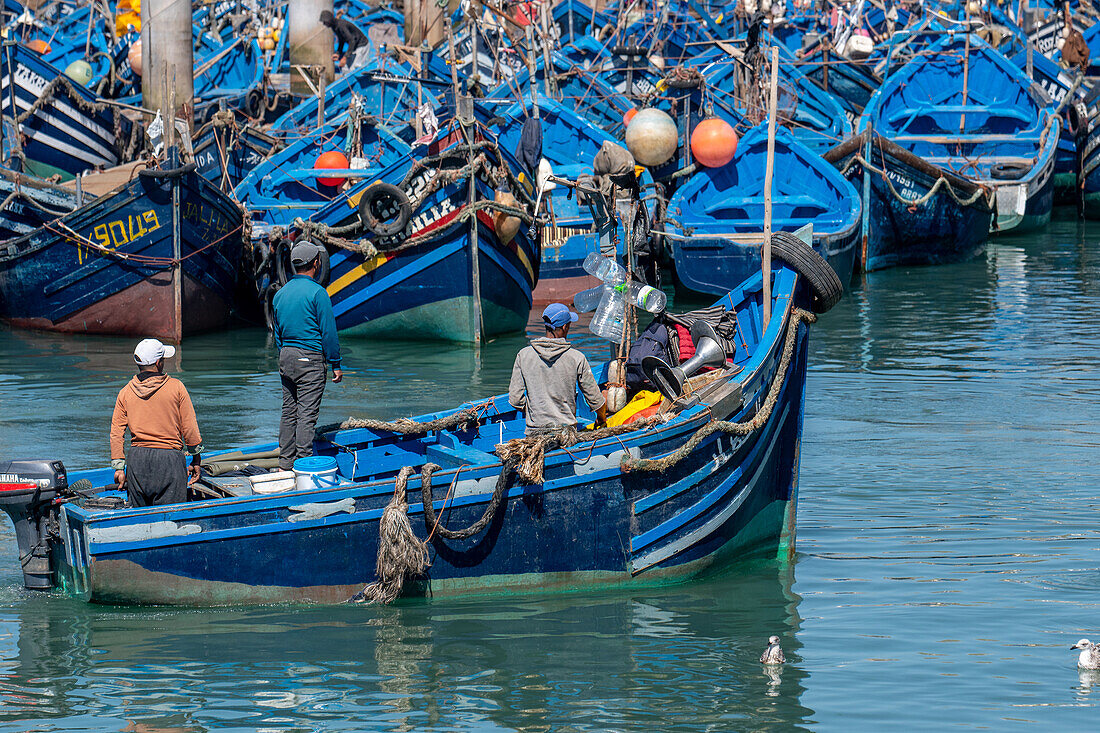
{"x":557,"y":315}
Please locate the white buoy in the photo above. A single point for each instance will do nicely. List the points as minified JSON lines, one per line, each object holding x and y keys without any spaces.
{"x":651,"y":137}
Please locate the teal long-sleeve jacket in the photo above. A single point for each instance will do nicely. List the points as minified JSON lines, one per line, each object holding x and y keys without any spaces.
{"x":303,"y":318}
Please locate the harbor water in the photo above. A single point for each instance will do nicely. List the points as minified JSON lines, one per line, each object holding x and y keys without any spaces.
{"x":948,"y":550}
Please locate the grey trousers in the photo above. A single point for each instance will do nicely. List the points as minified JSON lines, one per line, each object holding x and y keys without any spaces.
{"x":155,"y":476}
{"x":303,"y":375}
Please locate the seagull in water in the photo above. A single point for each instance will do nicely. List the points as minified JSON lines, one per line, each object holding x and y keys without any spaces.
{"x":774,"y":654}
{"x":1090,"y":654}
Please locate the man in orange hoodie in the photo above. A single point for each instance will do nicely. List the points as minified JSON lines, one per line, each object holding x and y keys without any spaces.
{"x":158,"y":411}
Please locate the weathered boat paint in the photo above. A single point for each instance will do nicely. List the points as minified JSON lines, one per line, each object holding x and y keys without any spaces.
{"x":107,"y":267}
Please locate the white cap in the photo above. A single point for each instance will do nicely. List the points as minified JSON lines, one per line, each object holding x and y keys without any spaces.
{"x":150,"y":351}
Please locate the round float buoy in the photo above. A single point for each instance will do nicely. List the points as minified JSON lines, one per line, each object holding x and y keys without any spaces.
{"x":616,"y":398}
{"x":713,"y":142}
{"x":80,"y":71}
{"x":133,"y":56}
{"x":275,"y":35}
{"x":506,"y":225}
{"x":974,"y":7}
{"x":39,"y":46}
{"x":651,"y":137}
{"x":629,"y":116}
{"x":331,"y":159}
{"x":267,"y":44}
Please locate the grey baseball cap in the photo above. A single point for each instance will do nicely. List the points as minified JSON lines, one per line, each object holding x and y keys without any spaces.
{"x":304,"y":252}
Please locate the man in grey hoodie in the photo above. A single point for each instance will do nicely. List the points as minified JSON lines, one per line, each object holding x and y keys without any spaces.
{"x":546,"y":375}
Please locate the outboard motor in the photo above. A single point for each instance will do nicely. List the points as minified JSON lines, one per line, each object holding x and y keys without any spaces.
{"x":27,"y":492}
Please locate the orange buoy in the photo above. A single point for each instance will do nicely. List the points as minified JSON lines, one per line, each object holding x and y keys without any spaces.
{"x":133,"y":56}
{"x":39,"y":46}
{"x":629,"y":116}
{"x":713,"y":142}
{"x":331,"y":159}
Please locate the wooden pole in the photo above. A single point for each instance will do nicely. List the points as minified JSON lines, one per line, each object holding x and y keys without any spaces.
{"x":766,"y":250}
{"x":166,"y":44}
{"x":966,"y":73}
{"x":310,"y":43}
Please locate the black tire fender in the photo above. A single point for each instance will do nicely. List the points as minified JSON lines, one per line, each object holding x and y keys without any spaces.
{"x":160,"y":174}
{"x":825,"y":286}
{"x":1009,"y":171}
{"x":269,"y":305}
{"x":378,"y":195}
{"x":284,"y":270}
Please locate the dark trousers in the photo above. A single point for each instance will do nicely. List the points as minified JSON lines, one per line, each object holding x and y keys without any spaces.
{"x":303,"y":375}
{"x":155,"y":476}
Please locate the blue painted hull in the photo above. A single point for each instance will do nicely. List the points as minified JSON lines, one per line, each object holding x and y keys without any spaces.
{"x":589,"y":525}
{"x":30,"y":202}
{"x":62,"y":137}
{"x":427,"y":291}
{"x":107,"y":268}
{"x":716,"y":221}
{"x":903,"y":232}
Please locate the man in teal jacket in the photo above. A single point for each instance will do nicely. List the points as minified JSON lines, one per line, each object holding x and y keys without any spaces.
{"x":305,"y":334}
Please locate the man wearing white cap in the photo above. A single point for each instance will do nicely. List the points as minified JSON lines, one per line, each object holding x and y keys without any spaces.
{"x":158,"y":412}
{"x":305,"y":334}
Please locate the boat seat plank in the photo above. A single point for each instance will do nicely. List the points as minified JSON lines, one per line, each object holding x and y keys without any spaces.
{"x":453,"y":456}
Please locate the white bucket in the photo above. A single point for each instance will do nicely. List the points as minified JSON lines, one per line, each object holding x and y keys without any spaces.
{"x":315,"y":472}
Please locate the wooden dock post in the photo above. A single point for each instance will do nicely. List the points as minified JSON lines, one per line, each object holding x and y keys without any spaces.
{"x":166,"y":45}
{"x":766,"y":249}
{"x":310,"y":43}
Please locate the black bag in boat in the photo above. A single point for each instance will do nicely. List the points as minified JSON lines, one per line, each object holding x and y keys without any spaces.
{"x":654,"y":341}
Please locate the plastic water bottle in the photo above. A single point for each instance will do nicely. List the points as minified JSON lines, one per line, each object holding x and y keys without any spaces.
{"x":610,"y":318}
{"x":589,"y":300}
{"x":604,"y":268}
{"x":647,"y":297}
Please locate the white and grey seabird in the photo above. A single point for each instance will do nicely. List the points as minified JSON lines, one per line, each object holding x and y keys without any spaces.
{"x":773,"y":654}
{"x":1090,"y":654}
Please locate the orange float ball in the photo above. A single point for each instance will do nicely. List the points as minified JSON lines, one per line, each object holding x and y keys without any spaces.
{"x":629,"y":116}
{"x":713,"y":142}
{"x":39,"y":46}
{"x":329,"y":160}
{"x":133,"y":56}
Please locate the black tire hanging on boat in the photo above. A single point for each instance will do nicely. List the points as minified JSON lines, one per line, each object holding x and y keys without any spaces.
{"x":284,"y":270}
{"x":164,"y":174}
{"x":825,"y":285}
{"x":1009,"y":171}
{"x":377,"y":195}
{"x":269,"y":305}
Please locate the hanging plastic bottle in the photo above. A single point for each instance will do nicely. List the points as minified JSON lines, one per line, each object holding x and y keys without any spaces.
{"x":610,"y":317}
{"x":605,"y":269}
{"x":646,"y":297}
{"x":589,"y":300}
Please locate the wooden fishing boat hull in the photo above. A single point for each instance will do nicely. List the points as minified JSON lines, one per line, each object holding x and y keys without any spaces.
{"x":715,"y":222}
{"x":901,"y":228}
{"x":460,"y":281}
{"x":64,"y":137}
{"x":589,"y":525}
{"x":1090,"y":168}
{"x":30,"y":202}
{"x":107,"y":268}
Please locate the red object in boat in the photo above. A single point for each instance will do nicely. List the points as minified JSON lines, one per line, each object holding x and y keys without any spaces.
{"x":629,"y":116}
{"x":333,"y":159}
{"x":713,"y":142}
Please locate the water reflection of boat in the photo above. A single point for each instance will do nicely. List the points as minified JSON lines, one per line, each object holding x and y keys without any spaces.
{"x":307,"y":665}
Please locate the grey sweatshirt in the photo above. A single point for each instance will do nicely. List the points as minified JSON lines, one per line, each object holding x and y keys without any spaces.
{"x":544,"y":383}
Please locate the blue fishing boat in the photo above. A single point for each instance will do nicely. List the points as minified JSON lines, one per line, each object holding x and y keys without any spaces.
{"x":917,"y":214}
{"x":63,"y":129}
{"x":422,"y":251}
{"x":592,"y":514}
{"x":158,"y":258}
{"x":288,"y":185}
{"x":715,"y":221}
{"x":27,"y":203}
{"x":226,"y":153}
{"x":980,"y":122}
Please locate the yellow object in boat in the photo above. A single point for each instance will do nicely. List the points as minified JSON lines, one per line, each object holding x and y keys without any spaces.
{"x":127,"y":13}
{"x":644,"y":400}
